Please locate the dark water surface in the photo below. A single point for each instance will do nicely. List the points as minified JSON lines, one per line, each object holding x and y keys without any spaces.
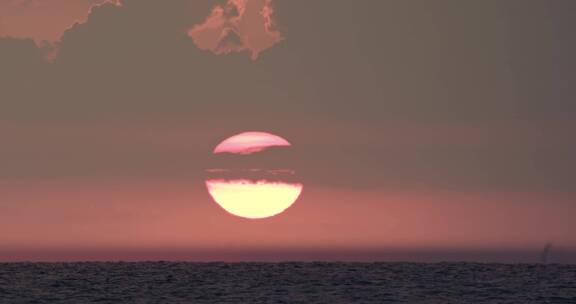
{"x":169,"y":282}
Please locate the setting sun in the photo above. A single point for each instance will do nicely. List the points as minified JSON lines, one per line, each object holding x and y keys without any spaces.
{"x":253,"y":200}
{"x":248,"y":191}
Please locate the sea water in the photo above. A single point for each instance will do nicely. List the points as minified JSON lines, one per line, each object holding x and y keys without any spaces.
{"x":175,"y":282}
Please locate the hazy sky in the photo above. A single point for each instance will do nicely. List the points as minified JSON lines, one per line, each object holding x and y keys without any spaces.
{"x":415,"y":124}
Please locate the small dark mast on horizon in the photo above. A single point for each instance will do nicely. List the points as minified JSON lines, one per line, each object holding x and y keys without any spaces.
{"x":546,"y":253}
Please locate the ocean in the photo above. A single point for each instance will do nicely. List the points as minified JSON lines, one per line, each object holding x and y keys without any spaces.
{"x":290,"y":282}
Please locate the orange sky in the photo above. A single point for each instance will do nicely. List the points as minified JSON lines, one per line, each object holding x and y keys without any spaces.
{"x":180,"y":215}
{"x":110,"y":206}
{"x":413,"y":125}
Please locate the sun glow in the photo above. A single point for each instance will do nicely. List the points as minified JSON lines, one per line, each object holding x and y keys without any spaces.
{"x":253,"y":200}
{"x":241,"y":186}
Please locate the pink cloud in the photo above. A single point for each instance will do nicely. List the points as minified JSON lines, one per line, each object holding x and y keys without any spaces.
{"x":238,"y":26}
{"x":44,"y":21}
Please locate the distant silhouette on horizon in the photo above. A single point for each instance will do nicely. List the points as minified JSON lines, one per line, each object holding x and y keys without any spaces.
{"x":546,"y":253}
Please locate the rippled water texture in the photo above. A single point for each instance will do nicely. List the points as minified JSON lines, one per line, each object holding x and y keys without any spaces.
{"x":166,"y":282}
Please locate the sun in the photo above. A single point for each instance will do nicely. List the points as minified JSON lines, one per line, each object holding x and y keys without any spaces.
{"x":250,"y":179}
